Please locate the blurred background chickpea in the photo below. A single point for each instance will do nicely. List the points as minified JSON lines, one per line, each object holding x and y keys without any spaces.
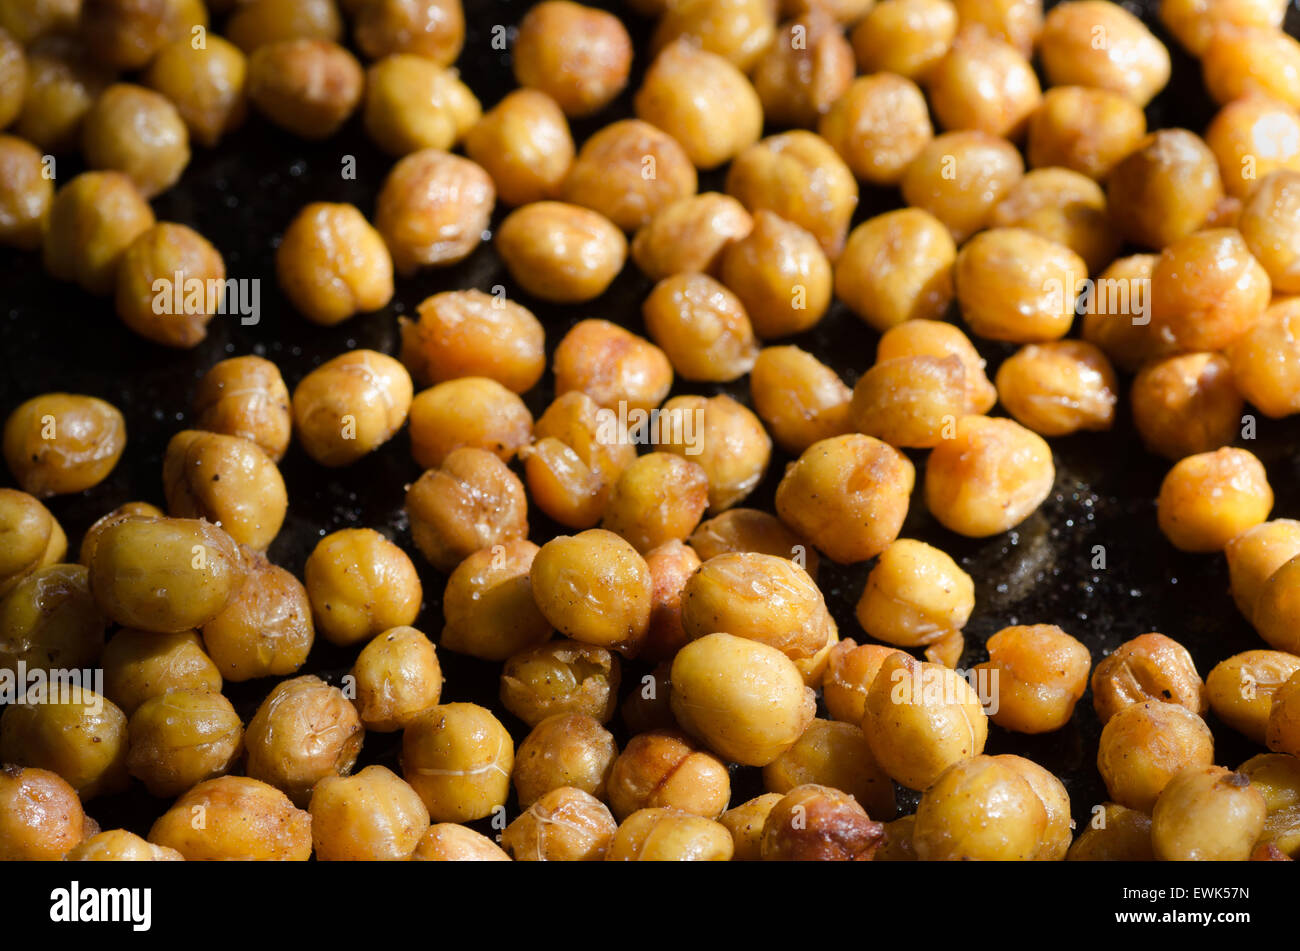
{"x":728,"y":442}
{"x":119,"y":845}
{"x":29,"y":20}
{"x":182,"y":737}
{"x":751,"y":530}
{"x":799,"y":398}
{"x":834,"y":754}
{"x":267,"y":629}
{"x":1252,"y":138}
{"x":398,"y":680}
{"x":559,"y":252}
{"x":430,"y":28}
{"x":1116,"y":834}
{"x":1283,"y":731}
{"x":245,"y":819}
{"x":412,"y":103}
{"x":1084,"y":129}
{"x":488,"y":604}
{"x":1207,"y":290}
{"x":62,"y":443}
{"x":1148,"y":667}
{"x":1207,"y":814}
{"x":627,"y":172}
{"x":779,"y":274}
{"x":308,"y":86}
{"x":472,"y":412}
{"x":206,"y":85}
{"x":350,"y":406}
{"x":1209,"y":498}
{"x":1186,"y":404}
{"x":49,"y":619}
{"x":227,"y":480}
{"x":1015,"y":285}
{"x":565,"y":825}
{"x":611,"y":365}
{"x":303,"y":731}
{"x":173,"y":313}
{"x":910,"y":401}
{"x":1268,"y":225}
{"x":524,"y":143}
{"x":808,"y":66}
{"x":62,"y":83}
{"x":664,"y":769}
{"x":595,"y":588}
{"x":745,"y":823}
{"x":1059,"y":388}
{"x":983,"y":83}
{"x":1278,"y":606}
{"x":458,"y":757}
{"x":959,"y":178}
{"x":659,"y":497}
{"x":569,"y":749}
{"x":469,"y":333}
{"x":1193,"y":22}
{"x":140,"y":665}
{"x":123,"y":34}
{"x":690,"y":234}
{"x":1164,"y":189}
{"x":245,"y":397}
{"x":1265,"y":362}
{"x":979,"y":809}
{"x":1041,"y":672}
{"x":1242,"y":687}
{"x":93,"y":219}
{"x":41,"y":818}
{"x":76,"y":733}
{"x":740,"y":30}
{"x":1277,"y":777}
{"x":325,"y":286}
{"x":578,"y":55}
{"x":907,"y":37}
{"x":1144,"y":745}
{"x":372,"y":816}
{"x":1251,"y":60}
{"x":1129,"y":59}
{"x":268,"y":21}
{"x":815,"y":823}
{"x":136,"y":131}
{"x":452,"y":842}
{"x":915,"y":596}
{"x":433,"y":209}
{"x":1255,"y":554}
{"x":25,"y":194}
{"x":473,"y":501}
{"x":360,"y":584}
{"x":562,"y":676}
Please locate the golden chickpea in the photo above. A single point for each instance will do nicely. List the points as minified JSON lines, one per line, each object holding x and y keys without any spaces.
{"x":749,"y":530}
{"x":559,"y":252}
{"x":1241,"y":689}
{"x":141,"y":665}
{"x":745,"y":823}
{"x":165,"y":574}
{"x":691,"y":234}
{"x":611,"y":365}
{"x":360,"y":584}
{"x":1040,"y":672}
{"x":267,"y":629}
{"x":372,"y":816}
{"x":488,"y":603}
{"x":915,"y":595}
{"x":458,"y":757}
{"x":471,"y":334}
{"x":1117,"y":314}
{"x":332,"y":264}
{"x":1193,"y":22}
{"x":897,"y":267}
{"x":244,"y":819}
{"x":1250,"y":60}
{"x":1117,"y":834}
{"x":841,"y":11}
{"x":1102,"y":45}
{"x":29,"y":20}
{"x":1084,"y":129}
{"x":898,"y":845}
{"x":1268,"y":226}
{"x":910,"y":401}
{"x":562,"y":676}
{"x":1207,"y":290}
{"x":125,"y":34}
{"x":1276,"y":608}
{"x":982,"y":83}
{"x":629,"y":171}
{"x":837,"y":755}
{"x":120,"y":845}
{"x":62,"y":83}
{"x":800,"y":399}
{"x":1063,"y":206}
{"x":93,"y":219}
{"x":726,"y":440}
{"x":398,"y":680}
{"x":434,"y":209}
{"x":72,"y":731}
{"x":1207,"y":814}
{"x":669,"y":835}
{"x":136,"y":131}
{"x":1264,"y":364}
{"x":663,"y":769}
{"x":309,"y":87}
{"x":703,"y":102}
{"x":657,"y":498}
{"x":1255,"y":554}
{"x":779,"y":274}
{"x":564,"y":825}
{"x":246,"y":397}
{"x":959,"y":178}
{"x":524,"y":144}
{"x":1282,"y":734}
{"x":412,"y":103}
{"x":260,"y":22}
{"x":879,"y":126}
{"x":1015,"y":285}
{"x":740,"y":30}
{"x":1251,"y":138}
{"x":1149,"y":667}
{"x":350,"y":406}
{"x":569,"y":749}
{"x":1277,"y":777}
{"x":1144,"y":745}
{"x":850,"y":670}
{"x":180,"y":738}
{"x":120,"y":514}
{"x":1186,"y":404}
{"x":48,"y":619}
{"x":808,"y":67}
{"x":1052,"y":794}
{"x":206,"y":85}
{"x":1209,"y":498}
{"x":815,"y":823}
{"x":1018,"y":22}
{"x":980,"y":809}
{"x":226,"y":480}
{"x":473,"y":501}
{"x":25,"y":194}
{"x":41,"y":818}
{"x":150,"y":299}
{"x":62,"y":443}
{"x":578,"y":55}
{"x":431,"y":28}
{"x":1164,"y":189}
{"x":468,"y":412}
{"x":304,"y":731}
{"x":1059,"y":388}
{"x":670,"y":565}
{"x":907,"y":37}
{"x":451,"y":842}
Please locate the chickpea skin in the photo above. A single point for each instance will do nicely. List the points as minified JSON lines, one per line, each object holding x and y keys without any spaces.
{"x":559,"y":252}
{"x":1265,"y":362}
{"x":983,"y":83}
{"x":959,"y":178}
{"x":267,"y":629}
{"x":246,"y":819}
{"x":181,"y":738}
{"x":780,"y":275}
{"x":62,"y":84}
{"x":93,"y":219}
{"x":227,"y":480}
{"x":1145,"y":745}
{"x":915,"y":596}
{"x":472,"y":334}
{"x":398,"y":680}
{"x":670,"y":565}
{"x":1208,"y":499}
{"x":979,"y":809}
{"x":668,"y":835}
{"x":578,"y":55}
{"x":75,"y":732}
{"x":612,"y":366}
{"x":350,"y":406}
{"x":879,"y":126}
{"x":850,"y":670}
{"x":136,"y":131}
{"x":740,"y":30}
{"x":1017,"y":286}
{"x":907,"y":37}
{"x":665,"y":770}
{"x":702,"y":327}
{"x":173,"y":313}
{"x":726,"y":440}
{"x":524,"y":143}
{"x":372,"y":816}
{"x":569,"y":749}
{"x":837,"y":755}
{"x":1207,"y":814}
{"x":1252,"y":138}
{"x":1186,"y":404}
{"x":50,"y":620}
{"x":595,"y":588}
{"x":206,"y":85}
{"x":42,"y":819}
{"x":489,"y":606}
{"x":749,"y":530}
{"x":910,"y":401}
{"x":1193,"y":22}
{"x":1276,"y":608}
{"x":1129,"y":60}
{"x":627,"y":172}
{"x":431,"y":28}
{"x":1254,"y":555}
{"x":308,"y":86}
{"x":1165,"y":189}
{"x":246,"y":397}
{"x":332,"y":264}
{"x":472,"y":501}
{"x":13,"y":78}
{"x":1118,"y":834}
{"x":690,"y":235}
{"x":450,"y":842}
{"x":412,"y":103}
{"x":119,"y":845}
{"x":140,"y":665}
{"x":561,"y":676}
{"x":657,"y":498}
{"x":1149,"y":667}
{"x":468,"y":412}
{"x":1059,"y":388}
{"x":808,"y":67}
{"x":433,"y":210}
{"x":1282,"y":734}
{"x":1041,"y":673}
{"x":1084,"y":129}
{"x":745,"y":823}
{"x":815,"y":823}
{"x":1207,"y":290}
{"x":360,"y":584}
{"x":458,"y":757}
{"x":62,"y":443}
{"x":799,"y":398}
{"x":25,"y":194}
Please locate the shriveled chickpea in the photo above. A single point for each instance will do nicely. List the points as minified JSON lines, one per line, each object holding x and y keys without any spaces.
{"x":691,"y":234}
{"x":702,"y":101}
{"x":360,"y":584}
{"x":41,"y":819}
{"x":1128,"y":58}
{"x":1265,"y":364}
{"x":62,"y":443}
{"x":524,"y":144}
{"x":488,"y":603}
{"x":412,"y":103}
{"x":227,"y":480}
{"x":1149,"y":667}
{"x":433,"y":210}
{"x":663,"y":769}
{"x":749,"y":530}
{"x":1015,"y":285}
{"x":206,"y":85}
{"x":1064,"y":206}
{"x":1278,"y":606}
{"x":1084,"y":129}
{"x":1186,"y":404}
{"x":119,"y":845}
{"x":879,"y":126}
{"x":74,"y":732}
{"x":471,"y":334}
{"x":1268,"y":225}
{"x":332,"y":264}
{"x":48,"y":619}
{"x":1207,"y":814}
{"x":1145,"y":745}
{"x":1165,"y":188}
{"x":915,"y":596}
{"x":834,"y":754}
{"x":779,"y":275}
{"x":850,"y":670}
{"x":431,"y":28}
{"x":564,"y":825}
{"x":452,"y":842}
{"x":1252,"y":138}
{"x":800,"y":399}
{"x":136,"y":131}
{"x":1241,"y":689}
{"x":1249,"y":60}
{"x":269,"y":21}
{"x":910,"y":401}
{"x":907,"y":37}
{"x":669,"y":835}
{"x":657,"y":498}
{"x":93,"y":219}
{"x":1041,"y":672}
{"x":989,"y":477}
{"x":959,"y":178}
{"x":979,"y":809}
{"x":611,"y":365}
{"x":1117,"y":834}
{"x":1209,"y":498}
{"x":815,"y":823}
{"x":983,"y":83}
{"x":267,"y":629}
{"x":398,"y":680}
{"x":808,"y":67}
{"x":25,"y":194}
{"x":578,"y":55}
{"x":472,"y":501}
{"x":1282,"y":734}
{"x":560,"y":252}
{"x":799,"y":176}
{"x":670,"y":565}
{"x":740,"y":30}
{"x":62,"y":83}
{"x":468,"y":412}
{"x":725,"y":439}
{"x":350,"y":406}
{"x":1193,"y":22}
{"x":246,"y":397}
{"x":595,"y":588}
{"x":181,"y":738}
{"x":569,"y":749}
{"x":372,"y":816}
{"x":1207,"y":290}
{"x":244,"y":819}
{"x":1255,"y":554}
{"x":1059,"y":388}
{"x":629,"y":171}
{"x":150,"y":299}
{"x":745,"y":823}
{"x":141,"y":665}
{"x":458,"y":757}
{"x":562,"y":676}
{"x":309,"y":87}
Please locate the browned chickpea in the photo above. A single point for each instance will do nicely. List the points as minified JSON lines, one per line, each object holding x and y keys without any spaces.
{"x":670,"y":565}
{"x":309,"y":87}
{"x":726,"y":440}
{"x":837,"y":755}
{"x":244,"y":819}
{"x":595,"y":588}
{"x":1047,"y":670}
{"x":666,"y":770}
{"x":256,"y":23}
{"x":1255,"y":554}
{"x":703,"y":102}
{"x":1063,"y":206}
{"x":897,"y":267}
{"x":25,"y":194}
{"x":1264,"y":363}
{"x":29,"y":20}
{"x":910,"y":401}
{"x":779,"y":274}
{"x":304,"y":731}
{"x":62,"y":83}
{"x":989,"y":477}
{"x":1149,"y":667}
{"x":181,"y":738}
{"x":1193,"y":22}
{"x":70,"y":730}
{"x":1209,"y":498}
{"x":1164,"y":189}
{"x":799,"y":176}
{"x":740,"y":30}
{"x":1116,"y":834}
{"x":1241,"y":689}
{"x":562,"y":676}
{"x":1117,"y":314}
{"x":669,"y":835}
{"x":1249,"y":60}
{"x":61,"y":443}
{"x":360,"y":584}
{"x":749,"y":530}
{"x":850,"y":670}
{"x":372,"y":816}
{"x":433,"y":210}
{"x":430,"y":28}
{"x":980,"y":808}
{"x":800,"y":399}
{"x":578,"y":55}
{"x":916,"y":595}
{"x":1186,"y":404}
{"x":628,"y":171}
{"x":398,"y":680}
{"x":412,"y":103}
{"x":471,"y":334}
{"x":1145,"y":745}
{"x":1269,"y":227}
{"x":472,"y":501}
{"x":1207,"y":814}
{"x":1059,"y":388}
{"x":559,"y":252}
{"x":570,"y":749}
{"x":350,"y":406}
{"x":612,"y":365}
{"x":206,"y":84}
{"x":1283,"y":731}
{"x":1207,"y":290}
{"x":983,"y":83}
{"x":267,"y":629}
{"x":1101,"y":44}
{"x":808,"y":67}
{"x":1251,"y":138}
{"x":119,"y":845}
{"x":325,"y":283}
{"x":879,"y":126}
{"x":745,"y":823}
{"x":125,"y":34}
{"x":488,"y":603}
{"x":227,"y":480}
{"x":458,"y":757}
{"x":141,"y":665}
{"x":48,"y":619}
{"x":690,"y":234}
{"x":935,"y":338}
{"x":41,"y":818}
{"x":848,"y":495}
{"x":469,"y":411}
{"x":524,"y":144}
{"x":245,"y":397}
{"x":1087,"y":130}
{"x":93,"y":219}
{"x":451,"y":842}
{"x":565,"y":825}
{"x":1276,"y":608}
{"x":907,"y":37}
{"x":136,"y":131}
{"x":151,"y":300}
{"x":657,"y":497}
{"x":1017,"y":286}
{"x":959,"y":178}
{"x":819,"y":824}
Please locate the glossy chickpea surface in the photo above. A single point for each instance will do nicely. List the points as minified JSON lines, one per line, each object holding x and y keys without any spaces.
{"x":1116,"y":834}
{"x":722,"y":437}
{"x":689,"y":235}
{"x":1186,"y":404}
{"x":1017,"y":286}
{"x":560,"y":252}
{"x":815,"y":823}
{"x":245,"y":397}
{"x":1101,"y":44}
{"x":350,"y":405}
{"x":562,"y":676}
{"x":1148,"y":667}
{"x":467,"y":412}
{"x":595,"y":588}
{"x":458,"y":757}
{"x":372,"y":816}
{"x":1165,"y":188}
{"x":1255,"y":554}
{"x":1084,"y":129}
{"x":245,"y":819}
{"x":740,"y":30}
{"x":983,"y":83}
{"x":850,"y":670}
{"x":1059,"y":388}
{"x":569,"y":749}
{"x":182,"y":737}
{"x":269,"y":21}
{"x":879,"y":126}
{"x":60,"y":443}
{"x":1251,"y":60}
{"x":472,"y":501}
{"x":206,"y":85}
{"x":799,"y":398}
{"x":412,"y":103}
{"x":1207,"y":290}
{"x":910,"y":401}
{"x":780,"y":276}
{"x":138,"y":132}
{"x":226,"y":480}
{"x":1193,"y":22}
{"x":934,"y":338}
{"x":702,"y":327}
{"x":92,"y":221}
{"x":1268,"y":226}
{"x":62,"y":83}
{"x":659,"y":497}
{"x":907,"y":37}
{"x":1042,"y":673}
{"x":49,"y":619}
{"x":524,"y":143}
{"x":1277,"y":607}
{"x":915,"y":595}
{"x":488,"y":604}
{"x":669,"y":835}
{"x":752,"y":530}
{"x":578,"y":55}
{"x":308,"y":86}
{"x":564,"y":825}
{"x":834,"y":754}
{"x":25,"y":194}
{"x":666,"y":770}
{"x":979,"y":809}
{"x":398,"y":679}
{"x":1145,"y":745}
{"x":1242,"y":687}
{"x":959,"y":178}
{"x":1207,"y":814}
{"x":807,"y":68}
{"x":360,"y":584}
{"x":170,"y":285}
{"x":140,"y":665}
{"x":42,"y":818}
{"x":332,"y":264}
{"x":433,"y":210}
{"x":1282,"y":734}
{"x":745,"y":823}
{"x":304,"y":731}
{"x":611,"y":365}
{"x":452,"y":842}
{"x":1209,"y":498}
{"x":77,"y":733}
{"x":267,"y":629}
{"x":1265,"y":362}
{"x":431,"y":28}
{"x":119,"y":845}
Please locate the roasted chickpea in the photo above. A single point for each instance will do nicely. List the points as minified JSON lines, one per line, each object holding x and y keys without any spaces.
{"x":372,"y":816}
{"x":740,"y":30}
{"x":960,"y":177}
{"x":1040,"y":672}
{"x":170,"y":284}
{"x":1144,"y":745}
{"x":569,"y":749}
{"x":62,"y":83}
{"x":1186,"y":404}
{"x":1103,"y":45}
{"x":808,"y":67}
{"x":458,"y":757}
{"x":360,"y":584}
{"x":657,"y":498}
{"x":1209,"y":498}
{"x":562,"y":676}
{"x":691,"y":234}
{"x":578,"y":55}
{"x":524,"y":144}
{"x":398,"y":680}
{"x":850,"y":670}
{"x":350,"y":406}
{"x":1164,"y":189}
{"x":745,"y":823}
{"x":1276,"y":608}
{"x":559,"y":252}
{"x":980,"y":809}
{"x":907,"y":37}
{"x":1149,"y":667}
{"x":915,"y":596}
{"x":575,"y":459}
{"x":815,"y":823}
{"x":141,"y":665}
{"x":206,"y":85}
{"x":564,"y":825}
{"x":472,"y":334}
{"x":1250,"y":60}
{"x":612,"y":365}
{"x":136,"y":131}
{"x":726,"y":440}
{"x":1241,"y":689}
{"x":468,"y":412}
{"x":1059,"y":388}
{"x":749,"y":530}
{"x":125,"y":34}
{"x":834,"y":754}
{"x":119,"y":845}
{"x":1193,"y":22}
{"x":983,"y":83}
{"x":227,"y":480}
{"x":70,"y":730}
{"x":41,"y":819}
{"x":800,"y":399}
{"x":25,"y":194}
{"x":120,"y":514}
{"x":245,"y":397}
{"x":780,"y":276}
{"x":1084,"y":129}
{"x":670,"y":565}
{"x":1265,"y":365}
{"x":1056,"y":803}
{"x":304,"y":731}
{"x":29,"y":20}
{"x":1063,"y":206}
{"x":1282,"y":734}
{"x":48,"y":619}
{"x":430,"y":28}
{"x":1207,"y":814}
{"x":488,"y":603}
{"x":910,"y":401}
{"x":879,"y":126}
{"x":669,"y":835}
{"x":629,"y":171}
{"x":1116,"y":834}
{"x":267,"y":629}
{"x":1268,"y":226}
{"x":412,"y":103}
{"x":325,"y":284}
{"x":434,"y":209}
{"x":1252,"y":138}
{"x":663,"y":769}
{"x":255,"y":24}
{"x":244,"y":819}
{"x":451,"y":842}
{"x":180,"y":738}
{"x":897,"y":267}
{"x":473,"y":501}
{"x":62,"y":443}
{"x":1255,"y":554}
{"x":93,"y":219}
{"x":1207,"y":290}
{"x":1117,"y":314}
{"x":1018,"y":286}
{"x":308,"y":86}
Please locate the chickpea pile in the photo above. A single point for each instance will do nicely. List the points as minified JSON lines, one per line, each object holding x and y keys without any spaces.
{"x":586,"y":500}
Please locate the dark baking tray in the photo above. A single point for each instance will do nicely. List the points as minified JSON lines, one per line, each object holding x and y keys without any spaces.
{"x":243,"y":193}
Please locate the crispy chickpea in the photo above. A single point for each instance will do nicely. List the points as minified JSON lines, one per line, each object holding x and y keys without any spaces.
{"x":48,"y":619}
{"x":119,"y":845}
{"x":1268,"y":226}
{"x":982,"y":83}
{"x":304,"y":731}
{"x":332,"y":264}
{"x":468,"y":412}
{"x":458,"y":757}
{"x":25,"y":194}
{"x":1251,"y":138}
{"x":41,"y":818}
{"x":398,"y":680}
{"x":226,"y":480}
{"x":663,"y":769}
{"x":745,"y":823}
{"x":1041,"y":673}
{"x":611,"y":365}
{"x":559,"y":252}
{"x":150,"y":299}
{"x":1186,"y":404}
{"x":1117,"y":314}
{"x":669,"y":835}
{"x":1207,"y":290}
{"x":136,"y":131}
{"x":725,"y":439}
{"x":897,"y":267}
{"x":244,"y":819}
{"x":670,"y":565}
{"x":1018,"y":286}
{"x":472,"y":501}
{"x":206,"y":85}
{"x":780,"y":276}
{"x":808,"y":67}
{"x":1254,"y":555}
{"x":691,"y":234}
{"x":350,"y":406}
{"x":433,"y":210}
{"x":72,"y":731}
{"x":524,"y":144}
{"x":878,"y":126}
{"x":360,"y":584}
{"x":309,"y":87}
{"x":141,"y":665}
{"x":850,"y":670}
{"x":915,"y":595}
{"x":1102,"y":45}
{"x":578,"y":55}
{"x":1250,"y":60}
{"x":164,"y":574}
{"x":412,"y":103}
{"x":1282,"y":734}
{"x":629,"y":171}
{"x":267,"y":629}
{"x":1051,"y":792}
{"x":1241,"y":689}
{"x":980,"y":809}
{"x":488,"y":603}
{"x":910,"y":401}
{"x":431,"y":28}
{"x":1164,"y":189}
{"x":1063,"y":206}
{"x":471,"y":334}
{"x":815,"y":823}
{"x":562,"y":676}
{"x":657,"y":498}
{"x":834,"y":754}
{"x":749,"y":530}
{"x":1059,"y":388}
{"x":1193,"y":22}
{"x":1209,"y":498}
{"x":740,"y":30}
{"x":959,"y":178}
{"x":698,"y":98}
{"x":1149,"y":667}
{"x":799,"y":398}
{"x":246,"y":397}
{"x":564,"y":825}
{"x":907,"y":37}
{"x":1276,"y":608}
{"x":372,"y":816}
{"x":180,"y":738}
{"x":255,"y":24}
{"x":1144,"y":745}
{"x":569,"y":749}
{"x":63,"y":443}
{"x":452,"y":842}
{"x":595,"y":588}
{"x":1207,"y":814}
{"x":1084,"y":129}
{"x":93,"y":219}
{"x":62,"y":83}
{"x":1265,"y":362}
{"x":1116,"y":834}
